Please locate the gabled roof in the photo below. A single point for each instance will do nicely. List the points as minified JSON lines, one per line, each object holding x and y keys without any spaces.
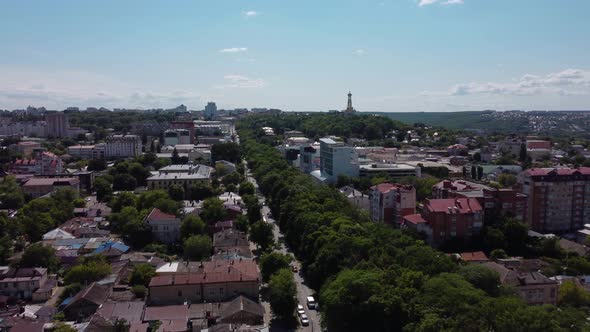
{"x":157,"y":214}
{"x":170,"y":312}
{"x":415,"y":219}
{"x":242,"y":304}
{"x":131,"y":311}
{"x":57,"y":234}
{"x":453,"y":205}
{"x":387,"y":187}
{"x":476,"y":256}
{"x":94,"y":293}
{"x":230,"y":238}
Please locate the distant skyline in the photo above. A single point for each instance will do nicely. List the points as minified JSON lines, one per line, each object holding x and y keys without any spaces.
{"x":395,"y":56}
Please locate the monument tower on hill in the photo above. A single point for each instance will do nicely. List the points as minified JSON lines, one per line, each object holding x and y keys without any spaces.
{"x":349,"y":108}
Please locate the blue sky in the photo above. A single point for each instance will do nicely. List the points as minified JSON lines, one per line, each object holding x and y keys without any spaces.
{"x":396,"y":55}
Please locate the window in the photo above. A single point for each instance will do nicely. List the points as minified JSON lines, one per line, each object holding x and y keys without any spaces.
{"x":179,"y":293}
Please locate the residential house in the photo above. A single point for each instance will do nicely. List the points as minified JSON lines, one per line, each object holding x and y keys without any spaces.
{"x":533,"y":287}
{"x":86,"y":302}
{"x":40,"y":186}
{"x":21,"y":283}
{"x":242,"y":310}
{"x":230,"y":240}
{"x":213,"y":281}
{"x":165,"y":227}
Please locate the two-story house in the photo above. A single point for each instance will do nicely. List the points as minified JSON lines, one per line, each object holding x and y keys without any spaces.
{"x":165,"y":227}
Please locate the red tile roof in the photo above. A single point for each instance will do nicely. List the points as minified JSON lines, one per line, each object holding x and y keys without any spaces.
{"x":457,"y":147}
{"x":211,"y":273}
{"x":156,"y":214}
{"x":538,"y":145}
{"x":477,"y":256}
{"x":415,"y":219}
{"x":49,"y":181}
{"x":453,"y":205}
{"x":557,"y":171}
{"x":384,"y":188}
{"x":169,"y":312}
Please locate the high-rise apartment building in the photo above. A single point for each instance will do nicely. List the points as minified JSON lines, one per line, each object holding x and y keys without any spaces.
{"x":210,"y":111}
{"x":558,"y":198}
{"x":57,"y":124}
{"x":390,"y":202}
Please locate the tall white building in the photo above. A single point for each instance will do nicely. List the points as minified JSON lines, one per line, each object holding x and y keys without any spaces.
{"x":123,"y":146}
{"x":336,"y":159}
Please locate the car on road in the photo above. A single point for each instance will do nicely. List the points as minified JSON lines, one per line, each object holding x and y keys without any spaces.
{"x":300,"y":310}
{"x":304,"y":320}
{"x":311,"y":303}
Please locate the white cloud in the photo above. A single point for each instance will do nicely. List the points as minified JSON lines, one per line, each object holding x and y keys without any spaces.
{"x":566,"y":82}
{"x":234,"y":50}
{"x":360,"y":51}
{"x":423,"y":3}
{"x":239,"y":81}
{"x":250,"y":13}
{"x":58,"y":89}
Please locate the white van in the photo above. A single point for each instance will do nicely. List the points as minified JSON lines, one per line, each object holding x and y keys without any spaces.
{"x":311,"y":303}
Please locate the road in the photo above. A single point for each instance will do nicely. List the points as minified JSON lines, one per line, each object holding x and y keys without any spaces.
{"x":302,"y":290}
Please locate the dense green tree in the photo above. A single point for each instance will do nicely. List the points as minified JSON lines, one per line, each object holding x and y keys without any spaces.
{"x":246,"y":188}
{"x":200,"y":191}
{"x":481,"y":277}
{"x":522,"y":155}
{"x":103,"y":189}
{"x":91,"y":268}
{"x":175,"y":157}
{"x":142,"y":274}
{"x":191,"y":225}
{"x":38,"y":255}
{"x":225,"y":151}
{"x":124,"y":182}
{"x":11,"y":195}
{"x":498,"y":254}
{"x":213,"y":210}
{"x":140,"y":291}
{"x":176,"y":192}
{"x":261,"y":234}
{"x":571,"y":294}
{"x":272,"y":262}
{"x":197,"y":247}
{"x":241,"y":223}
{"x":282,"y":291}
{"x":507,"y":180}
{"x":139,"y":172}
{"x":231,"y":178}
{"x":97,"y":165}
{"x":159,"y":199}
{"x":122,"y":200}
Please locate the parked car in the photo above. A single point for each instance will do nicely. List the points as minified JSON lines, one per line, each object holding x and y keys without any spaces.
{"x":300,"y":310}
{"x":311,"y":303}
{"x":304,"y":320}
